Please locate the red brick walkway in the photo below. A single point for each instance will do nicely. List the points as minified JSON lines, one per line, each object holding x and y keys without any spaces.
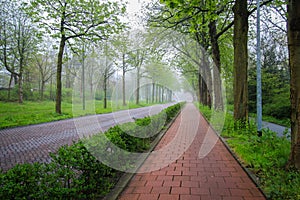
{"x":211,"y":174}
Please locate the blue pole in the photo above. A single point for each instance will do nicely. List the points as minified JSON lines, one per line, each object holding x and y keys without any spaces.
{"x":258,"y":72}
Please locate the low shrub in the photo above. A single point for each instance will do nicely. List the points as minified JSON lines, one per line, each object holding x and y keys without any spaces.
{"x":73,"y":174}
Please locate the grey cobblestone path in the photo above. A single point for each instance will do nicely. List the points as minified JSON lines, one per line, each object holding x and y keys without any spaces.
{"x":33,"y":143}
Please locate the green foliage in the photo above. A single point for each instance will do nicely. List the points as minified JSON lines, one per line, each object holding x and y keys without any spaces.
{"x":86,"y":19}
{"x":74,"y":172}
{"x":82,"y":171}
{"x":31,"y":94}
{"x":22,"y":181}
{"x":172,"y":111}
{"x":265,"y":156}
{"x":205,"y":110}
{"x":275,"y":82}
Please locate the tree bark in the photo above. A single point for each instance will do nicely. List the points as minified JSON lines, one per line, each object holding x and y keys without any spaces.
{"x":42,"y":89}
{"x":153,"y":92}
{"x":205,"y":80}
{"x":138,"y":77}
{"x":58,"y":75}
{"x":240,"y":41}
{"x":105,"y":93}
{"x":51,"y":90}
{"x":218,"y":105}
{"x":204,"y":94}
{"x":156,"y":93}
{"x":159,"y":93}
{"x":294,"y":55}
{"x":9,"y":87}
{"x":162,"y":94}
{"x":68,"y":77}
{"x":123,"y":82}
{"x":20,"y":89}
{"x":200,"y":92}
{"x":83,"y":78}
{"x":21,"y":80}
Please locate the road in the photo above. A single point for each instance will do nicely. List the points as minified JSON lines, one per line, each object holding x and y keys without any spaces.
{"x":277,"y":128}
{"x":33,"y":143}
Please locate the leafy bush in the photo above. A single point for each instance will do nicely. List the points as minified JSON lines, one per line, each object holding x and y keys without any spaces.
{"x":73,"y":174}
{"x":82,"y":170}
{"x":22,"y":181}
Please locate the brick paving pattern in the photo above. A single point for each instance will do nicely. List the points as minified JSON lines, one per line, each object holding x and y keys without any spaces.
{"x":33,"y":143}
{"x":211,"y":174}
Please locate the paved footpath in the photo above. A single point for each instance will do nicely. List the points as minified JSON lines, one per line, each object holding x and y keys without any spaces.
{"x":192,"y":163}
{"x":33,"y":143}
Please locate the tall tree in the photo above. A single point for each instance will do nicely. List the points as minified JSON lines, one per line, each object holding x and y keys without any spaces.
{"x":45,"y":68}
{"x":294,"y":55}
{"x":108,"y":69}
{"x":122,"y":46}
{"x":240,"y":39}
{"x":138,"y":57}
{"x":69,"y":19}
{"x":199,"y":17}
{"x":18,"y":41}
{"x":92,"y":71}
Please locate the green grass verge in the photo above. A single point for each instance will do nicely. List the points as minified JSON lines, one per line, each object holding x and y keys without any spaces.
{"x":265,"y":156}
{"x":14,"y":114}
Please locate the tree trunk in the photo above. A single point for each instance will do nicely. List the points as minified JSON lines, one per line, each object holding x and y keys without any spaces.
{"x":294,"y":55}
{"x":204,"y":94}
{"x":42,"y":89}
{"x":148,"y":90}
{"x":123,"y":82}
{"x":138,"y":86}
{"x":91,"y":89}
{"x":15,"y":78}
{"x":156,"y":93}
{"x":20,"y":89}
{"x":105,"y":92}
{"x":83,"y":78}
{"x":217,"y":69}
{"x":159,"y":93}
{"x":9,"y":87}
{"x":240,"y":41}
{"x":51,"y":90}
{"x":58,"y":75}
{"x":153,"y":92}
{"x":162,"y":94}
{"x":20,"y":75}
{"x":200,"y":91}
{"x":205,"y":80}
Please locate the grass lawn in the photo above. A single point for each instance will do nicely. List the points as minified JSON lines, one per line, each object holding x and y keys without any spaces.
{"x":14,"y":114}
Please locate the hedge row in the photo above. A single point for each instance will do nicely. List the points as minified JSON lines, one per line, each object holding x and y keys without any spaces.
{"x":74,"y":172}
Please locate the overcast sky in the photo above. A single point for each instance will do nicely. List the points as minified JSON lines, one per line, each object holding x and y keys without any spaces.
{"x":134,"y":8}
